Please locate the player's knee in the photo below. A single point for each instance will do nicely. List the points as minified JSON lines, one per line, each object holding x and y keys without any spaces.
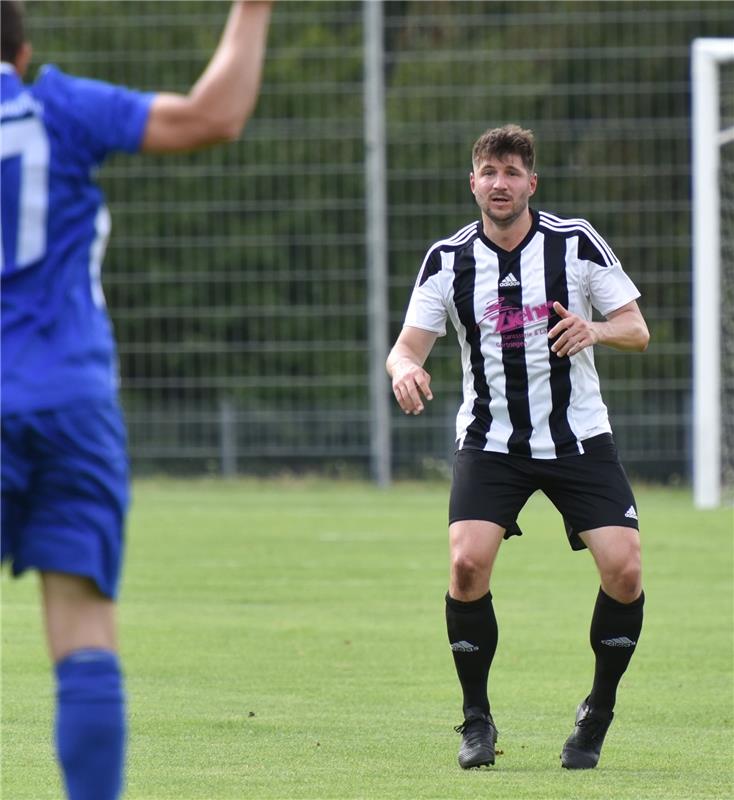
{"x":624,"y":582}
{"x":467,"y":571}
{"x":629,"y":587}
{"x":620,"y":568}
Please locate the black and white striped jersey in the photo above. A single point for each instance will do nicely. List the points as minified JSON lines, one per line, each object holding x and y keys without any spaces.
{"x":519,"y":396}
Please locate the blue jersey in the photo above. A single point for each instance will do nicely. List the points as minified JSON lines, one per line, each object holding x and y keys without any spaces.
{"x":57,"y":343}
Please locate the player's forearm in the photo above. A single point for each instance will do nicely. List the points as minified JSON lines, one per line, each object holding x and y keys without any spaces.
{"x":411,"y":349}
{"x":226,"y":92}
{"x":402,"y":356}
{"x":626,"y":331}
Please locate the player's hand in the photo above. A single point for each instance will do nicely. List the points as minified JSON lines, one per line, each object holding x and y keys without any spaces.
{"x":572,"y":333}
{"x":410,"y":384}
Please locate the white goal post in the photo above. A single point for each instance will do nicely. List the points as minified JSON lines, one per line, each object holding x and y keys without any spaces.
{"x":708,"y":138}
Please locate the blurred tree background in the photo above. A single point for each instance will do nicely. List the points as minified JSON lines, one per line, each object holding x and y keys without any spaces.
{"x":236,"y":276}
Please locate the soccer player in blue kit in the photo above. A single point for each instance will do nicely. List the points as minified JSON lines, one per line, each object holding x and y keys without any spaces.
{"x":64,"y":462}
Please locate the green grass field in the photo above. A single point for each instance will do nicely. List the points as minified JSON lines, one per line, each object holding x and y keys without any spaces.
{"x":286,"y":640}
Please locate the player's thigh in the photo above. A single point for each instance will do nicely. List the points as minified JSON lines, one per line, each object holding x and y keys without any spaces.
{"x":591,"y":491}
{"x":487,"y":493}
{"x":77,"y":615}
{"x":80,"y":495}
{"x":616,"y":552}
{"x":474,"y":545}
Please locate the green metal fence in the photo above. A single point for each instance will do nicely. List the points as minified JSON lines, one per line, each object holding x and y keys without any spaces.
{"x":236,"y":277}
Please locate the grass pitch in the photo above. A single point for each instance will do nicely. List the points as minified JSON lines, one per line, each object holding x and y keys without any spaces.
{"x":286,"y":640}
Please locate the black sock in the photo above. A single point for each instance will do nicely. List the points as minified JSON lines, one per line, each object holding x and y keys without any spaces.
{"x":615,"y":630}
{"x":472,"y":629}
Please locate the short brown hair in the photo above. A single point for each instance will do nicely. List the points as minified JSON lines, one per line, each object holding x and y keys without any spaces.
{"x":505,"y":141}
{"x":12,"y":33}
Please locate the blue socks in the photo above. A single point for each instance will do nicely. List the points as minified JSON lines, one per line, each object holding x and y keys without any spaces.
{"x":90,"y":724}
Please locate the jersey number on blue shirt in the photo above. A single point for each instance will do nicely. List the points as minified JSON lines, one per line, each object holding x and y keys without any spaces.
{"x":24,"y":234}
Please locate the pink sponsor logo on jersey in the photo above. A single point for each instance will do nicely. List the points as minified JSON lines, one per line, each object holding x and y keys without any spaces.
{"x":507,"y":317}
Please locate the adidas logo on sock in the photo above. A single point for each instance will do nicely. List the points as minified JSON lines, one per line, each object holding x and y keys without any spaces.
{"x":631,"y":513}
{"x":463,"y":647}
{"x":619,"y":641}
{"x":509,"y":281}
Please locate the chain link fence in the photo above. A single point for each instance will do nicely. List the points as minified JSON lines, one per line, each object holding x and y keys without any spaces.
{"x":236,"y":276}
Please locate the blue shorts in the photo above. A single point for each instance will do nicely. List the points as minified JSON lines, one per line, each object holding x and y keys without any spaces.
{"x":65,"y":491}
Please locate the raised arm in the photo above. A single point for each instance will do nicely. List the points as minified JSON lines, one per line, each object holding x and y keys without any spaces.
{"x":623,"y":329}
{"x":405,"y":367}
{"x":221,"y":101}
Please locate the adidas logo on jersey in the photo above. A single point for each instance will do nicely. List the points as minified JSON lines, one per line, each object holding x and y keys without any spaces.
{"x":509,"y":281}
{"x":464,"y":647}
{"x":630,"y":513}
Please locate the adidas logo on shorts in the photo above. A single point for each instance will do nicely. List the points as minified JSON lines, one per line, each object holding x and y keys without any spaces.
{"x":630,"y":513}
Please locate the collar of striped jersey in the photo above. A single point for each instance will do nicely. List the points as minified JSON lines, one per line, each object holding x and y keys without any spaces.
{"x":528,"y":236}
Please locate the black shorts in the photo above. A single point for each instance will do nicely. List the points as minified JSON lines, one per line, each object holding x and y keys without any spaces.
{"x":591,"y":490}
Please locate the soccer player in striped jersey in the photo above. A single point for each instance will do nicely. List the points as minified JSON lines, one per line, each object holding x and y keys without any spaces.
{"x":64,"y":464}
{"x":519,"y":286}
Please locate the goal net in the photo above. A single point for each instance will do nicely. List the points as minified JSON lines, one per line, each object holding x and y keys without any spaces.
{"x":713,"y":278}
